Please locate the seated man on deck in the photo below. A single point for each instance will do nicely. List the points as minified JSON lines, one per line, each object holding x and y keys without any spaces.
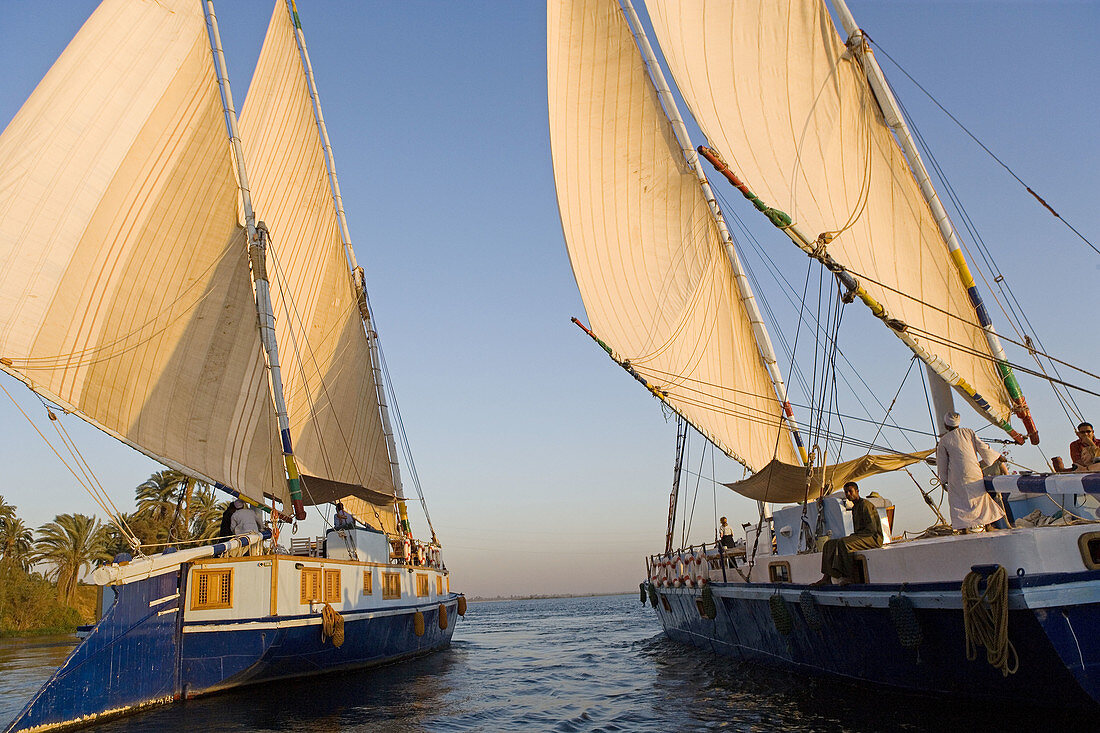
{"x":837,"y":560}
{"x":343,"y":519}
{"x":1085,"y":451}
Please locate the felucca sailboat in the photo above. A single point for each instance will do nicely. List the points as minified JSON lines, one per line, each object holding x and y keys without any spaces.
{"x":800,"y":120}
{"x":186,"y":283}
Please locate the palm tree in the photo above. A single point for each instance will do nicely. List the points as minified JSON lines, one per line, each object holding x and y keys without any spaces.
{"x":16,"y":544}
{"x":7,"y":511}
{"x":205,"y":513}
{"x":71,"y":543}
{"x":168,"y":498}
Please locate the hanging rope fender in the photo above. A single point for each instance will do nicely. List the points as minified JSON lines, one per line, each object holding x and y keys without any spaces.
{"x":332,"y":626}
{"x":652,"y":595}
{"x":985,"y":619}
{"x":904,"y":618}
{"x":781,"y":615}
{"x":810,"y":611}
{"x":641,"y":593}
{"x":710,"y":609}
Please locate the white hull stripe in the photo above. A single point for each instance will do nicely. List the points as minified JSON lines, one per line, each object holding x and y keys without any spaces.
{"x":230,"y":625}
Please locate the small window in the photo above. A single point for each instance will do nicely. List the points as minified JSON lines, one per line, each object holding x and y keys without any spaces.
{"x":439,"y":585}
{"x":332,"y":586}
{"x":421,"y":584}
{"x":213,"y":589}
{"x":311,"y":585}
{"x":664,"y":604}
{"x":780,"y":572}
{"x":391,"y":585}
{"x":1089,"y":543}
{"x":368,"y":582}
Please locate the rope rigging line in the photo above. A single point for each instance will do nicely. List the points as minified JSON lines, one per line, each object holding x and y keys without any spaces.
{"x":1014,"y":314}
{"x":90,"y":484}
{"x":982,"y":145}
{"x":293,"y":315}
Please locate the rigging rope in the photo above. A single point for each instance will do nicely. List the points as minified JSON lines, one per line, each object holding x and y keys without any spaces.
{"x":982,"y":145}
{"x":985,"y":619}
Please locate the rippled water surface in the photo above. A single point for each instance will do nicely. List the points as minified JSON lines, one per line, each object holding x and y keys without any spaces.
{"x":576,"y":664}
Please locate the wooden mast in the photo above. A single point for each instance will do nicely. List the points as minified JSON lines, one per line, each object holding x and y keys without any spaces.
{"x":257,"y":246}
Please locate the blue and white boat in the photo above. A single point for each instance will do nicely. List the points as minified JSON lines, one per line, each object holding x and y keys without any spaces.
{"x":185,"y":282}
{"x":798,"y":116}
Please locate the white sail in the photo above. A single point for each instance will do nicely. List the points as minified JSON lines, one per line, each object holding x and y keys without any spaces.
{"x":124,"y":284}
{"x":644,"y":247}
{"x":331,"y":396}
{"x":773,"y":89}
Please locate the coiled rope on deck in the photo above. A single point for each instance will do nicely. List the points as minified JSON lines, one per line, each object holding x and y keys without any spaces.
{"x":332,"y":626}
{"x":985,"y":618}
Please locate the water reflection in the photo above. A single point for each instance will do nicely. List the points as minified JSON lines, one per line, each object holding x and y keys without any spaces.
{"x":25,"y":664}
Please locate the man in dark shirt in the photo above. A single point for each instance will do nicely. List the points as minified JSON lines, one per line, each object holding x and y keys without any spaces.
{"x":837,"y":560}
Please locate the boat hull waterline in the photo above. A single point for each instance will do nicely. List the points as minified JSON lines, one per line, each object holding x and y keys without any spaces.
{"x":168,"y":658}
{"x":849,"y":632}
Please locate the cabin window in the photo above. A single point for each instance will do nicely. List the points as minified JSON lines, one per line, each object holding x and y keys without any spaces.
{"x":311,"y":585}
{"x":1089,"y":543}
{"x":862,"y":574}
{"x":332,"y":586}
{"x":421,"y":584}
{"x":780,"y":572}
{"x":439,"y":585}
{"x":391,"y":585}
{"x":664,"y":604}
{"x":213,"y":589}
{"x":368,"y":582}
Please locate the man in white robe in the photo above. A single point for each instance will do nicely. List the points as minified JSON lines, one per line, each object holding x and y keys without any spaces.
{"x":960,"y":456}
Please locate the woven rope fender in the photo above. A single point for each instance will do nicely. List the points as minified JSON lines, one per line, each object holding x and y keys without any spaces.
{"x":332,"y":626}
{"x":985,"y":619}
{"x":462,"y":605}
{"x":781,"y":615}
{"x":442,"y":616}
{"x":418,"y":623}
{"x":652,"y":596}
{"x":641,"y":593}
{"x":710,"y":610}
{"x":810,"y":611}
{"x":906,"y":624}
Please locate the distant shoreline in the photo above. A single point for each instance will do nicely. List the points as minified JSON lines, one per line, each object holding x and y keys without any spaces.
{"x":540,"y":597}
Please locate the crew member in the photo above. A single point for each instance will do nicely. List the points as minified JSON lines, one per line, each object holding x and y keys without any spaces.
{"x":837,"y":560}
{"x":960,"y":456}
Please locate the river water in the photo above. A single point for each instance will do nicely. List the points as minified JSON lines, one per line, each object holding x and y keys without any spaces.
{"x":569,"y":664}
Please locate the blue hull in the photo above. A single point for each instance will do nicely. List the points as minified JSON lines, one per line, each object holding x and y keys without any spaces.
{"x":1058,"y":646}
{"x":142,"y":653}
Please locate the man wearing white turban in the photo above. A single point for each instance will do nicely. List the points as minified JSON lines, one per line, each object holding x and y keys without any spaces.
{"x":960,"y":456}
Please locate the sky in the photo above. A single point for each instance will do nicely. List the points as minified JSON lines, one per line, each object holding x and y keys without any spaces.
{"x":546,"y":468}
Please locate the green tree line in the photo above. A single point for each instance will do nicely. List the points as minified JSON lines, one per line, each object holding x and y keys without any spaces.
{"x":40,"y":570}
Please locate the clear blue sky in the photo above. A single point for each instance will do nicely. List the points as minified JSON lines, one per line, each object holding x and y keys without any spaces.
{"x":547,"y":468}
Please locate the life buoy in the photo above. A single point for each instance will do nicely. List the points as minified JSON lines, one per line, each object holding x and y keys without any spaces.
{"x":407,"y":550}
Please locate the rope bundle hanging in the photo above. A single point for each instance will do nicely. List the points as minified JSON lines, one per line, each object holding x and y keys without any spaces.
{"x":985,"y":619}
{"x":332,"y":626}
{"x":652,"y":596}
{"x":781,"y":615}
{"x":810,"y":611}
{"x":904,"y":618}
{"x":710,"y":609}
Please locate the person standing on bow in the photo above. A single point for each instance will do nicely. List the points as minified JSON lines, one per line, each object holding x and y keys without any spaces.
{"x":725,"y":533}
{"x":960,"y":456}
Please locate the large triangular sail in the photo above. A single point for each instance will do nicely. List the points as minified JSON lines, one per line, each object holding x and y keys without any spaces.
{"x":124,"y":277}
{"x":643,"y":243}
{"x":332,"y":398}
{"x":776,"y":91}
